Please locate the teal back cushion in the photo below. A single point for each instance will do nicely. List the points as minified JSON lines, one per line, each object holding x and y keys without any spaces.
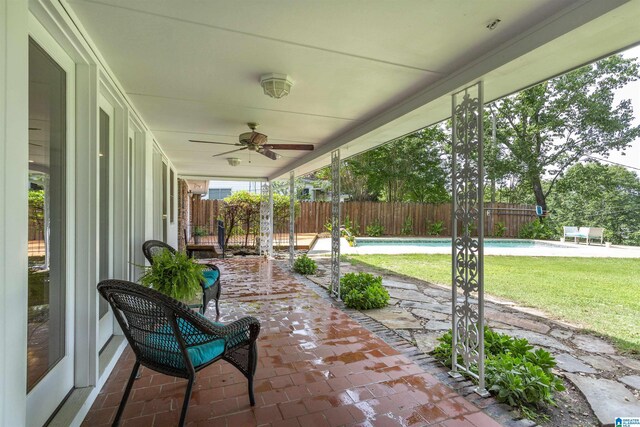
{"x":210,"y":277}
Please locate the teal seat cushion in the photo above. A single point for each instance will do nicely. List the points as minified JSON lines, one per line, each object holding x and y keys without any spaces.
{"x":210,"y":277}
{"x":163,"y":346}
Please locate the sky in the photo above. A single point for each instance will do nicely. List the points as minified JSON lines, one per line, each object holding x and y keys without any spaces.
{"x":631,"y":91}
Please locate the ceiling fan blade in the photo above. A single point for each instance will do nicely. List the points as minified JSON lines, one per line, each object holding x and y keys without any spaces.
{"x":306,"y":147}
{"x":229,"y":152}
{"x":214,"y":142}
{"x":270,"y":154}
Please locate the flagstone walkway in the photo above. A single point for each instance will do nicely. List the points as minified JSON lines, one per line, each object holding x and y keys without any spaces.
{"x":317,"y":367}
{"x":420,"y":312}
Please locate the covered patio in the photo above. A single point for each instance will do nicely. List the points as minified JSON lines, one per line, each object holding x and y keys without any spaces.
{"x":316,"y":367}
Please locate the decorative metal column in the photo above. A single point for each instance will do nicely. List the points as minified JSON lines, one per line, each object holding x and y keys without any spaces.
{"x":467,"y":225}
{"x":292,"y":218}
{"x":335,"y":224}
{"x":266,"y":219}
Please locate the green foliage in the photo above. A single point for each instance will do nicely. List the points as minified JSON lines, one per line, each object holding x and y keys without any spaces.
{"x":328,"y":226}
{"x":544,"y":129}
{"x":376,"y":229}
{"x":241,"y":213}
{"x":410,"y":169}
{"x":351,"y":240}
{"x":600,"y":196}
{"x":407,"y":227}
{"x":36,"y":208}
{"x":175,"y":275}
{"x":538,"y":230}
{"x":436,"y":228}
{"x":352,"y":227}
{"x":499,"y":229}
{"x":363,"y":291}
{"x":305,"y":265}
{"x":514,"y":373}
{"x":200,"y":231}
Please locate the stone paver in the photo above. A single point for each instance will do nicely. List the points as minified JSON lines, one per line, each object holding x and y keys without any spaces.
{"x":409,"y":295}
{"x":427,"y":342}
{"x":599,"y":362}
{"x":394,"y":318}
{"x":609,"y":399}
{"x":628,"y":362}
{"x":400,"y":285}
{"x":592,"y":344}
{"x":561,"y":333}
{"x":517,"y":321}
{"x":431,"y":315}
{"x":632,"y":381}
{"x":568,"y":363}
{"x":437,"y":325}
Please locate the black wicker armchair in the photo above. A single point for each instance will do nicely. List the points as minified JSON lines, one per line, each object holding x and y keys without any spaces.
{"x":168,"y":337}
{"x":151,"y":248}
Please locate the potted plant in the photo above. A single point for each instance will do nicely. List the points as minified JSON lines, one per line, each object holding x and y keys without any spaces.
{"x":175,"y":275}
{"x":199,"y":232}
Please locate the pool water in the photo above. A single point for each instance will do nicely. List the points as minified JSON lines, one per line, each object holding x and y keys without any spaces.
{"x":446,"y":243}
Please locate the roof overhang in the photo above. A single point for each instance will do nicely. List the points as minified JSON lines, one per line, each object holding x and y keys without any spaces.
{"x":362,"y":77}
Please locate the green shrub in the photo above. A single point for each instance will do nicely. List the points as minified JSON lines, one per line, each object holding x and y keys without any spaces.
{"x":499,"y":229}
{"x":537,"y":230}
{"x":514,"y":373}
{"x":363,"y":291}
{"x":436,"y":228}
{"x":175,"y":275}
{"x":407,"y":227}
{"x":376,"y":229}
{"x":305,"y":265}
{"x":352,"y":228}
{"x":200,"y":231}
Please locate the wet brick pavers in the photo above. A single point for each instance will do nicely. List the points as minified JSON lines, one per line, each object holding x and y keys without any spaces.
{"x":316,"y":367}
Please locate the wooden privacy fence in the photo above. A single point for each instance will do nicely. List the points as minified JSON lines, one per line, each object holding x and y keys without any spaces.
{"x":392,"y":216}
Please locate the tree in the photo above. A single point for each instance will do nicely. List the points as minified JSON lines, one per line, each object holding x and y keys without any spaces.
{"x":599,"y":196}
{"x":410,"y":169}
{"x":548,"y":127}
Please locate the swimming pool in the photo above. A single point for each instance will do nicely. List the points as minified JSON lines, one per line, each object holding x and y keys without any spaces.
{"x":446,"y":243}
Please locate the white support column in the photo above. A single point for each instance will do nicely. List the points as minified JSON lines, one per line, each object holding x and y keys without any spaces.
{"x":335,"y":224}
{"x":266,"y":219}
{"x":292,"y":218}
{"x":14,"y":156}
{"x":467,"y":257}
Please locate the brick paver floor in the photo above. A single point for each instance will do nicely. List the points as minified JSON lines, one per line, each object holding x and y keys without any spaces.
{"x":316,"y":367}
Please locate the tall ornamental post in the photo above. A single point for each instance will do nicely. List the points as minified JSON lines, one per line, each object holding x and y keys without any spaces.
{"x":335,"y":224}
{"x":266,"y":219}
{"x":292,"y":218}
{"x":467,"y":224}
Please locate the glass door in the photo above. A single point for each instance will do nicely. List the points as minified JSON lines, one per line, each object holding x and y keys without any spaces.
{"x":50,"y":245}
{"x":106,"y":114}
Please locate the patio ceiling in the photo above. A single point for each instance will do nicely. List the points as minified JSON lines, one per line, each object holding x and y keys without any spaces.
{"x":365,"y":72}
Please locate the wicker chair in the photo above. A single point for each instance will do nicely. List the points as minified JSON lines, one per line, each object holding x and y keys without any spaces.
{"x":168,"y":337}
{"x":151,"y":248}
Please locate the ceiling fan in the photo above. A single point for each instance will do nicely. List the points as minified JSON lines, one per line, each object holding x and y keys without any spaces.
{"x":255,"y":141}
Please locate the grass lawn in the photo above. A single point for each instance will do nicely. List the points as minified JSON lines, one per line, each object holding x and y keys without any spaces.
{"x":598,"y":294}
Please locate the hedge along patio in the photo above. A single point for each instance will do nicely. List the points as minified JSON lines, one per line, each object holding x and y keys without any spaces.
{"x":314,"y":215}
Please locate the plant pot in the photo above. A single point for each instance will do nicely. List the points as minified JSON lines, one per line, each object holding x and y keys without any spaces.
{"x":196,"y":239}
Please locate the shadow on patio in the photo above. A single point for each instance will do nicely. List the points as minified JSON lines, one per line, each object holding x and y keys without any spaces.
{"x":316,"y":367}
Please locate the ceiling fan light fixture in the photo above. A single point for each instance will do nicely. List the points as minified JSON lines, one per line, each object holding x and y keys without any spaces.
{"x":233,"y":161}
{"x":276,"y":85}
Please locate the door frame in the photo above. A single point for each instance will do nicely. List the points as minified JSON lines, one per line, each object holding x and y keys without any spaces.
{"x":50,"y":391}
{"x":106,"y":322}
